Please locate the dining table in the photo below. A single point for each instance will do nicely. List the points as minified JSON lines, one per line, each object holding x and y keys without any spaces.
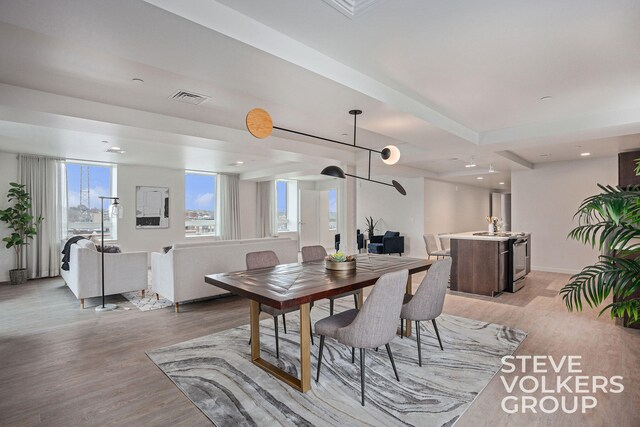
{"x":299,"y":285}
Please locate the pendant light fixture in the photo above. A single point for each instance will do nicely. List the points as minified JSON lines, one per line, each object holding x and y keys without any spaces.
{"x":260,"y":125}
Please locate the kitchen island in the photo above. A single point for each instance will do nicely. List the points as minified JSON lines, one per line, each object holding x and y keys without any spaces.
{"x":488,"y":264}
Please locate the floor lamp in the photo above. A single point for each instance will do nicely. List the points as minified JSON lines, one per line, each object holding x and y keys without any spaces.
{"x":115,"y":210}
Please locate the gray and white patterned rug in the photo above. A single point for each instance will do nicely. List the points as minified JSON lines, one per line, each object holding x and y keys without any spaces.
{"x":149,"y":302}
{"x":216,"y":373}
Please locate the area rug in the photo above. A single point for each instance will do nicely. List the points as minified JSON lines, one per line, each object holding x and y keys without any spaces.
{"x":149,"y":302}
{"x":216,"y":373}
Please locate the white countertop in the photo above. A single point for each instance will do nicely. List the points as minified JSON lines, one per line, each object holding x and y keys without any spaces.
{"x":469,"y":235}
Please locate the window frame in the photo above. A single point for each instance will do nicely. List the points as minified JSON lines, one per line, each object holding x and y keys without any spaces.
{"x":291,"y":205}
{"x":113,"y":191}
{"x":216,"y":202}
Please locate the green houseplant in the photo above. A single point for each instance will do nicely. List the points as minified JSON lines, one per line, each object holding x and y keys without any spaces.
{"x":22,"y":226}
{"x":609,"y":221}
{"x":370,"y":225}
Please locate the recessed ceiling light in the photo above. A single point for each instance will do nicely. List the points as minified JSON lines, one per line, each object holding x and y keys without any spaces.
{"x":116,"y":148}
{"x":501,"y":183}
{"x":238,"y":163}
{"x":546,"y":98}
{"x":137,"y":80}
{"x":479,"y":177}
{"x":585,"y":154}
{"x":104,"y":141}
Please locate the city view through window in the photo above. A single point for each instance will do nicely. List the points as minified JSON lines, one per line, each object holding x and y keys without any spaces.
{"x":200,"y":204}
{"x":333,"y":210}
{"x":282,"y":206}
{"x":85,"y":184}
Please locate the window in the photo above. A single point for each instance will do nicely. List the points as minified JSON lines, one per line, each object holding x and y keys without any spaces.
{"x":287,"y":205}
{"x":85,"y":184}
{"x":333,"y":209}
{"x":200,"y":204}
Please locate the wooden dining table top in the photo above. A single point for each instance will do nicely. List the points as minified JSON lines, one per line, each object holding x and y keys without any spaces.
{"x":289,"y":285}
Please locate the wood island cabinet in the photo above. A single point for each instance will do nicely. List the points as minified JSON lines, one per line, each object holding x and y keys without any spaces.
{"x":479,"y":266}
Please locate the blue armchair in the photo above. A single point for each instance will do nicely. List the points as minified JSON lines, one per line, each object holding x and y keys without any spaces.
{"x":359,"y":239}
{"x":391,"y":243}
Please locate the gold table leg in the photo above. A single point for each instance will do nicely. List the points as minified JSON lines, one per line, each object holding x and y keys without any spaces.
{"x":302,"y":384}
{"x":407,"y":324}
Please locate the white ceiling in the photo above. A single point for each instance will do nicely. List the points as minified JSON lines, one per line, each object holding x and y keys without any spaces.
{"x":442,"y":80}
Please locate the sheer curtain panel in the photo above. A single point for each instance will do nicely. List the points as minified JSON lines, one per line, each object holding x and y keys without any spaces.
{"x":266,"y":208}
{"x":229,"y":206}
{"x":43,"y":178}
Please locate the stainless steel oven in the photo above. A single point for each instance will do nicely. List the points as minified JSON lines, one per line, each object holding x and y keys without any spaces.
{"x":519,"y":256}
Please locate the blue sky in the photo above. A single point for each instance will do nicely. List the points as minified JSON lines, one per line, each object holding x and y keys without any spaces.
{"x":281,"y":188}
{"x":99,"y":184}
{"x":200,"y":192}
{"x":200,"y":189}
{"x":333,"y":205}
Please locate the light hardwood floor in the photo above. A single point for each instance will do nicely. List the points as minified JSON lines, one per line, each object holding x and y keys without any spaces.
{"x":63,"y":366}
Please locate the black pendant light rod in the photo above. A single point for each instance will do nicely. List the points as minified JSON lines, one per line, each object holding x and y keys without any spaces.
{"x":329,"y":140}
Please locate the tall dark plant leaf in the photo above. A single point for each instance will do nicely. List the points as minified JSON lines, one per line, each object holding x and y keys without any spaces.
{"x":609,"y":221}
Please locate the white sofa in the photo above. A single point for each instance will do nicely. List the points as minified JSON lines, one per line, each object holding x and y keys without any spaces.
{"x":124,"y":272}
{"x":178,"y":274}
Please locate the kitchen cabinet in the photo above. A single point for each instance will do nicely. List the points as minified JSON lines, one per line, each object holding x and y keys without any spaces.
{"x":483,"y":265}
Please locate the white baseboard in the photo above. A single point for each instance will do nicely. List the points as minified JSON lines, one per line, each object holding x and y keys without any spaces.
{"x":554,"y":270}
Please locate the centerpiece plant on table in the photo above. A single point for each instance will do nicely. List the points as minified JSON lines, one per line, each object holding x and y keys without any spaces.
{"x":339,"y":257}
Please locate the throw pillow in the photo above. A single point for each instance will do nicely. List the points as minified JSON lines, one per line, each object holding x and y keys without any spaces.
{"x":109,"y":249}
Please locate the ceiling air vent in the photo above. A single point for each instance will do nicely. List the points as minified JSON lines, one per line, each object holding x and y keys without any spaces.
{"x":189,"y":97}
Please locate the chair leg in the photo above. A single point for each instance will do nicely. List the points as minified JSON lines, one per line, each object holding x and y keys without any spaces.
{"x":355,"y":300}
{"x":142,"y":293}
{"x":311,"y":333}
{"x":401,"y":328}
{"x":284,"y":323}
{"x":437,"y":333}
{"x":81,"y":302}
{"x":353,"y":354}
{"x":320,"y":357}
{"x":395,"y":371}
{"x":362,"y":351}
{"x":275,"y":326}
{"x":418,"y":339}
{"x":330,"y":307}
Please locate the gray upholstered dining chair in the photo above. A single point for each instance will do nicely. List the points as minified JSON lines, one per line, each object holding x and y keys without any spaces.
{"x":265,"y":259}
{"x":445,"y":242}
{"x":432,"y":247}
{"x":428,"y":300}
{"x":316,"y":253}
{"x":370,"y":327}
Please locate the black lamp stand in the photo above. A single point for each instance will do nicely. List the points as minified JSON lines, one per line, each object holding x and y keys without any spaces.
{"x":104,"y":307}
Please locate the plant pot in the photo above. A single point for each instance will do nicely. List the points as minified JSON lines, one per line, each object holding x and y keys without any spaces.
{"x":18,"y":276}
{"x":340,"y":266}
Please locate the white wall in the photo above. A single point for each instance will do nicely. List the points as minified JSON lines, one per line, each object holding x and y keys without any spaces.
{"x":152,"y":240}
{"x":396,"y":212}
{"x":8,"y":173}
{"x":544,"y":200}
{"x":454,"y":208}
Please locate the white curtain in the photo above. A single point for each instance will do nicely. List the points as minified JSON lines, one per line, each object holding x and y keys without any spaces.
{"x":266,"y":207}
{"x":229,"y":206}
{"x":43,"y":178}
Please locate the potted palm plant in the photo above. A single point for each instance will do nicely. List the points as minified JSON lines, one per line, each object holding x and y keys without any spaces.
{"x":22,"y":226}
{"x":609,"y":221}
